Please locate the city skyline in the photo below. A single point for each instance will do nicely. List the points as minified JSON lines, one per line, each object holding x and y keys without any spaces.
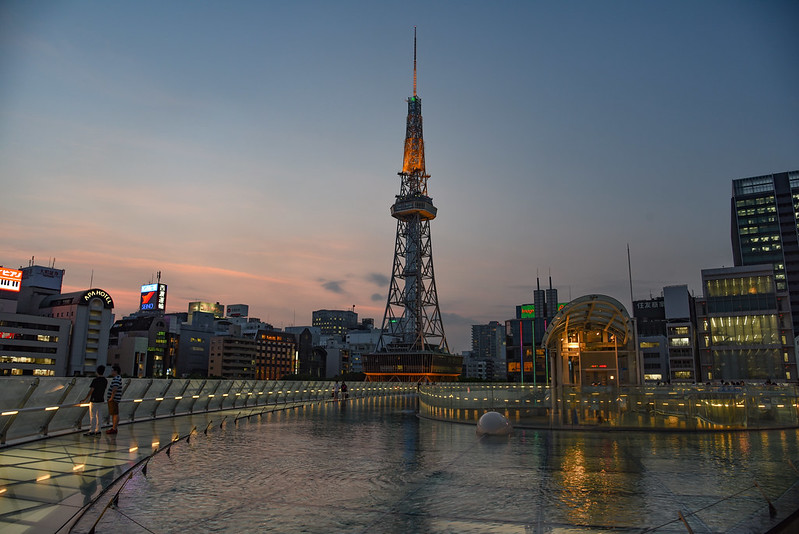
{"x":249,"y":151}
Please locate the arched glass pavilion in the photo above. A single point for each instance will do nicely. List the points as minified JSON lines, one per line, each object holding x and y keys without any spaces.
{"x":591,"y":341}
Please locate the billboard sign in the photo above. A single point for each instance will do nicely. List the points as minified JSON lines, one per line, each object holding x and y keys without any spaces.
{"x":10,"y":279}
{"x":153,"y":297}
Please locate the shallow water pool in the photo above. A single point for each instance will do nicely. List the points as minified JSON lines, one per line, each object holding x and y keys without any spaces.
{"x":371,"y":465}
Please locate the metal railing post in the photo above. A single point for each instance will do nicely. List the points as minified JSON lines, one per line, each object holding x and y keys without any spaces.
{"x":143,"y":395}
{"x":21,"y":404}
{"x":195,"y":396}
{"x":43,"y":429}
{"x":162,"y":395}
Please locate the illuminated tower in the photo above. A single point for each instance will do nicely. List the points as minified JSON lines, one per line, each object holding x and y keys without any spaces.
{"x":413,"y":346}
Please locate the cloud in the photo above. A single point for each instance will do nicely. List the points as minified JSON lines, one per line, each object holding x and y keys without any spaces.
{"x":455,"y":319}
{"x":378,"y":279}
{"x":377,"y":297}
{"x":334,"y":286}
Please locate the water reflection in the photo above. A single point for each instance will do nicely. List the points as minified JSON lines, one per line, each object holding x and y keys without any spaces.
{"x":372,"y":465}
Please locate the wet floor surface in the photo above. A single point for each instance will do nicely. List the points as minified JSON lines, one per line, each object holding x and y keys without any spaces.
{"x":371,"y":465}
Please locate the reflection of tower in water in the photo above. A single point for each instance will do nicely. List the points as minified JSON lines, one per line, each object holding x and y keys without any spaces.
{"x":412,"y":345}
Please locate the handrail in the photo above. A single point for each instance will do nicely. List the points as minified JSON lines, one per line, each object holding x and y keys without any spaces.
{"x":46,"y":406}
{"x":680,"y":407}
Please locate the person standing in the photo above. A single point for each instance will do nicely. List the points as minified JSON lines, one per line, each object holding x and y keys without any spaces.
{"x":95,"y":398}
{"x":344,"y":393}
{"x":114,"y":396}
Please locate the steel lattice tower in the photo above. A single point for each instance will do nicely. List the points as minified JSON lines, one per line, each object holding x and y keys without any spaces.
{"x":412,"y":321}
{"x":412,"y":345}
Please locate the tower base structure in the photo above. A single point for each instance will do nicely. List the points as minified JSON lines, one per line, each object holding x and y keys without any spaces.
{"x":423,"y":366}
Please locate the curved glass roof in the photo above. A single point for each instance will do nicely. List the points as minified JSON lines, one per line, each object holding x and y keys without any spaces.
{"x":591,"y":312}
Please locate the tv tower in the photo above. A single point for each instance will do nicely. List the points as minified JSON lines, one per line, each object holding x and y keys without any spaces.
{"x":412,"y":343}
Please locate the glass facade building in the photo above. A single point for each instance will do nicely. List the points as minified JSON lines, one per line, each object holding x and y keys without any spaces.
{"x":765,"y":229}
{"x":745,"y":326}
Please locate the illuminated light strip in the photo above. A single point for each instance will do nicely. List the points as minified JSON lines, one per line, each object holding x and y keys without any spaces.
{"x":195,"y":396}
{"x":84,"y":405}
{"x":43,"y":477}
{"x":133,"y":449}
{"x":211,"y":396}
{"x":79,"y":467}
{"x":155,"y":444}
{"x":13,"y":412}
{"x":158,"y":399}
{"x":138,"y":400}
{"x":3,"y":490}
{"x":224,"y":394}
{"x":51,"y":408}
{"x":178,"y":398}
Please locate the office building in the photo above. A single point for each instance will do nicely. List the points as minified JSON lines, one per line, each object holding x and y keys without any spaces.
{"x":33,"y":346}
{"x":745,"y":327}
{"x":488,"y":346}
{"x":276,"y":355}
{"x":334,"y":322}
{"x":233,"y":357}
{"x":139,"y":344}
{"x":764,"y":229}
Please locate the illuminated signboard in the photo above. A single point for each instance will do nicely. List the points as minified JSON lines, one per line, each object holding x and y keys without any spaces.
{"x":98,"y":293}
{"x":528,"y":310}
{"x":153,"y":297}
{"x":10,"y":279}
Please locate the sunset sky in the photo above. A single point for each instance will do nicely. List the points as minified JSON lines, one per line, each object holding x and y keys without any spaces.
{"x":249,"y":150}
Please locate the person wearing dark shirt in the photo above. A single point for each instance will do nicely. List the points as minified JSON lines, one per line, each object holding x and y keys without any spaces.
{"x":95,"y":398}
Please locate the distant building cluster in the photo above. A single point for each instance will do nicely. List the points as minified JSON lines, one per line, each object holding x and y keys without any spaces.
{"x":742,"y":329}
{"x":44,"y":332}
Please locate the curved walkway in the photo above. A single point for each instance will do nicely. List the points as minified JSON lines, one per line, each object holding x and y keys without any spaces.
{"x":45,"y":484}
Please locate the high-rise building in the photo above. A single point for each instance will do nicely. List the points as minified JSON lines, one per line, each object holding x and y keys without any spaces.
{"x":765,"y":229}
{"x":413,"y":346}
{"x":488,"y":345}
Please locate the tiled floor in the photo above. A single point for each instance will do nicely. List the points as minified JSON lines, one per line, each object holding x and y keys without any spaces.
{"x":44,"y":484}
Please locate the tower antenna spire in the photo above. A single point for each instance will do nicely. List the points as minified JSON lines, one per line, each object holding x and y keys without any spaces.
{"x":414,"y":61}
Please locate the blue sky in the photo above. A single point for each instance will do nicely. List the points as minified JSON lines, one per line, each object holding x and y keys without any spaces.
{"x":249,"y":150}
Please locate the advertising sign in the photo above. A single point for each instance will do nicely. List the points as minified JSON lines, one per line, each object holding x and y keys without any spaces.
{"x":10,"y":279}
{"x":153,"y":297}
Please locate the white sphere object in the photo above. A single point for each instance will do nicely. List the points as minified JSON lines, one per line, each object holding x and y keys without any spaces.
{"x":493,"y":424}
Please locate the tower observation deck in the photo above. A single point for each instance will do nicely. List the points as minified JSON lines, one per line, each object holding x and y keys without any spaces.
{"x":412,"y":345}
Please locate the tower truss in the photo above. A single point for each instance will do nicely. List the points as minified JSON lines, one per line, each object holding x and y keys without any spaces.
{"x":412,"y":345}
